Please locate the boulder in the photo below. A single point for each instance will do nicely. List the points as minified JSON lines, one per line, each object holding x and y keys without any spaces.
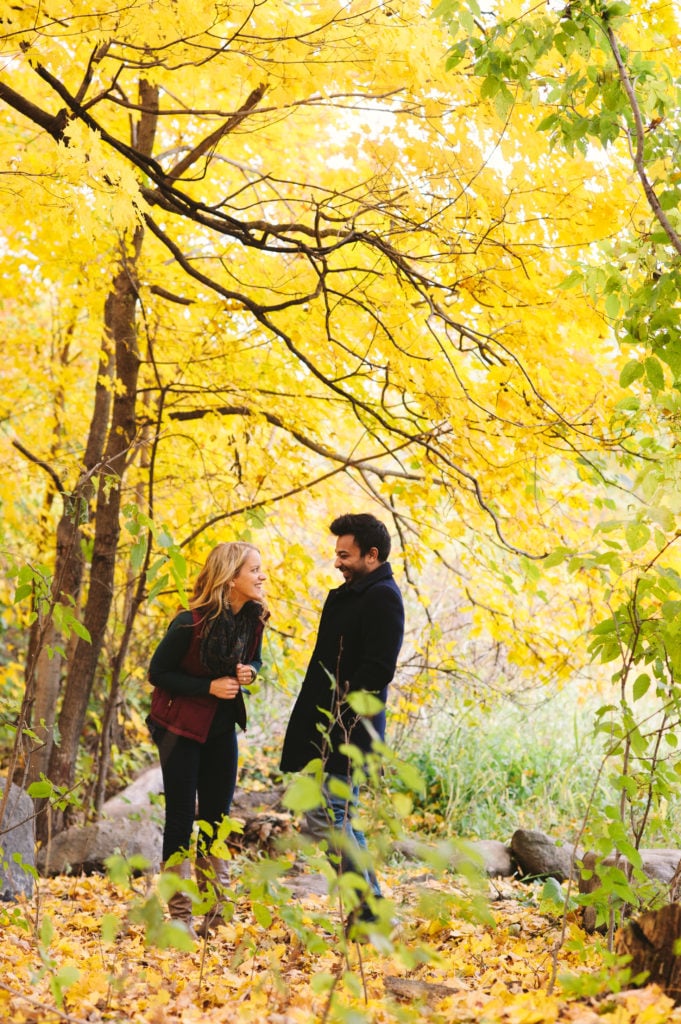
{"x":17,"y":844}
{"x":488,"y":856}
{"x":538,"y":856}
{"x":491,"y":856}
{"x":85,"y":848}
{"x":660,"y":865}
{"x":136,"y":799}
{"x":131,"y":823}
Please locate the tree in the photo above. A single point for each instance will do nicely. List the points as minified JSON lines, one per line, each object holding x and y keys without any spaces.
{"x":609,"y":75}
{"x":322,"y":273}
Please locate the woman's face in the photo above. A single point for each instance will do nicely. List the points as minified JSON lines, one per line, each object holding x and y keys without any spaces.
{"x":247,"y":585}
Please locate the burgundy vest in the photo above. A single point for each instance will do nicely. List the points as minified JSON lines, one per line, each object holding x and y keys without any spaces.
{"x":193,"y":716}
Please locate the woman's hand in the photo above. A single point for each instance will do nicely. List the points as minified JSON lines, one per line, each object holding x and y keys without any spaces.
{"x":225,"y":687}
{"x":245,"y":674}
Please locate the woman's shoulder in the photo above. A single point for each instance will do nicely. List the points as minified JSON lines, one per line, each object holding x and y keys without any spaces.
{"x":183,"y":618}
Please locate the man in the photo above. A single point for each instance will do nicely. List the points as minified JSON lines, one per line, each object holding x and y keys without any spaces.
{"x":358,"y":641}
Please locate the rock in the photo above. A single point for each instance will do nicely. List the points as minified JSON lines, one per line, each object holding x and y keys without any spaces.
{"x":307,"y":884}
{"x":85,"y":848}
{"x":538,"y":856}
{"x":496,"y":857}
{"x":136,"y":798}
{"x":660,"y":865}
{"x":487,"y":856}
{"x":132,"y":823}
{"x":410,"y":989}
{"x":17,"y":843}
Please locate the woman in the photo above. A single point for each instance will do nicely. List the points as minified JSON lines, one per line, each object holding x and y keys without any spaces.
{"x":198,"y":670}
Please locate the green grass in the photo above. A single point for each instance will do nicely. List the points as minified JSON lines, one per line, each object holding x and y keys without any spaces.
{"x":491,"y":770}
{"x":488,"y":773}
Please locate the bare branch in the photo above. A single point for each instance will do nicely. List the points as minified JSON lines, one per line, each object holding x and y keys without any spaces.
{"x":639,"y":161}
{"x":212,"y":140}
{"x":43,"y":465}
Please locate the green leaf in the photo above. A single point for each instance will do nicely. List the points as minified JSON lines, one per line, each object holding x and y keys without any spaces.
{"x":663,"y":517}
{"x":80,"y":630}
{"x":555,"y":558}
{"x":630,"y":404}
{"x":256,"y":518}
{"x":546,"y":124}
{"x":641,"y":686}
{"x":637,"y":534}
{"x":631,"y":372}
{"x":619,"y":9}
{"x":364,"y":703}
{"x":262,"y":914}
{"x":46,"y":932}
{"x":403,"y":804}
{"x":22,"y":592}
{"x":490,"y":87}
{"x":612,"y":305}
{"x":322,"y":982}
{"x":670,"y":199}
{"x":552,"y":892}
{"x":303,"y":794}
{"x":42,"y":790}
{"x":160,"y":584}
{"x":410,"y":776}
{"x":111,"y":926}
{"x":654,"y":373}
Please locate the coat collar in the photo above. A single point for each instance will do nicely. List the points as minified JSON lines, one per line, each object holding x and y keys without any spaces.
{"x":384,"y":572}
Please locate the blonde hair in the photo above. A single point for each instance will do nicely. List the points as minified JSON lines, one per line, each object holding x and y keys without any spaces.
{"x":223,"y":564}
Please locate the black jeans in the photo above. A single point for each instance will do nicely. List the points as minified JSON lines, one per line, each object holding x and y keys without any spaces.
{"x":199,"y":780}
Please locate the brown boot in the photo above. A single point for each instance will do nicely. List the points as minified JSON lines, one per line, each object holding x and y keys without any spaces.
{"x":180,"y":903}
{"x":212,"y":878}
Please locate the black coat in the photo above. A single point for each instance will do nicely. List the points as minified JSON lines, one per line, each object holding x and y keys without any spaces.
{"x":359,"y":638}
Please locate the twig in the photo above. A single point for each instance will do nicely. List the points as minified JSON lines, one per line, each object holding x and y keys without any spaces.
{"x":61,"y":1014}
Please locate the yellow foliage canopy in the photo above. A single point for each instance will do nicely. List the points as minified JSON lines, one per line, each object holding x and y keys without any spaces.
{"x":348,"y":287}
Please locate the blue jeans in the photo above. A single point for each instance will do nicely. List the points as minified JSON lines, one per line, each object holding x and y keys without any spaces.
{"x":336,"y":815}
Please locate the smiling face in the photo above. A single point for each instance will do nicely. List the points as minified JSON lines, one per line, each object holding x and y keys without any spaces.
{"x":247,"y":585}
{"x":350,"y":561}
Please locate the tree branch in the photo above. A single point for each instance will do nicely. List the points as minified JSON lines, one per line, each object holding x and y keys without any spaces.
{"x":212,"y":140}
{"x":639,"y":161}
{"x":326,"y":453}
{"x":54,"y":124}
{"x":43,"y":465}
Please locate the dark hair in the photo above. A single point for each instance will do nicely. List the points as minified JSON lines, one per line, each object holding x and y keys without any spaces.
{"x":368,"y":531}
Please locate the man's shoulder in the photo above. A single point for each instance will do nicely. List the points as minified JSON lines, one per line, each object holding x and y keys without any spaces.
{"x":383,"y":576}
{"x":381,"y":585}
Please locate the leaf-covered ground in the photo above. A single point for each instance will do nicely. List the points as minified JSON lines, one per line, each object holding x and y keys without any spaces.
{"x":60,"y":961}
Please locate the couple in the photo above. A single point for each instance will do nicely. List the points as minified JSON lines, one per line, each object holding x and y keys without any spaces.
{"x":213,"y":650}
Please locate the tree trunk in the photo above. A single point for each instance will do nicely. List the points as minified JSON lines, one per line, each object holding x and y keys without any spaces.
{"x":652,"y":942}
{"x":120,"y":325}
{"x":134,"y":596}
{"x":44,"y":672}
{"x":121,"y":328}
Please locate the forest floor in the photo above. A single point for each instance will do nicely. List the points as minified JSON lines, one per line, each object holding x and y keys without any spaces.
{"x":451,"y":959}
